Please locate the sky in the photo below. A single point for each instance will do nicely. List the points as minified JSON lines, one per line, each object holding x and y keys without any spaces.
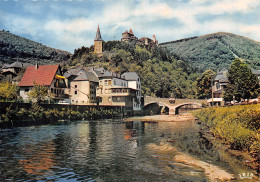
{"x":71,"y":24}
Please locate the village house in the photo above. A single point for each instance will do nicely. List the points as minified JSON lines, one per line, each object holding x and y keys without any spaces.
{"x":11,"y":71}
{"x":46,"y":75}
{"x":113,"y":90}
{"x":134,"y":82}
{"x":220,"y":83}
{"x":83,"y":89}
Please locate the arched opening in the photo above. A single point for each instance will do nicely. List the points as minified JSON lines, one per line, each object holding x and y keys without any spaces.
{"x":187,"y":107}
{"x":155,"y":109}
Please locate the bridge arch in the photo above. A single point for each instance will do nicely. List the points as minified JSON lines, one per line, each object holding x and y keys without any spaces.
{"x":162,"y":107}
{"x":177,"y":107}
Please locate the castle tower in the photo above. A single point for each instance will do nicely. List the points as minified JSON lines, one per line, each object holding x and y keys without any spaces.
{"x":154,"y":40}
{"x":98,"y":42}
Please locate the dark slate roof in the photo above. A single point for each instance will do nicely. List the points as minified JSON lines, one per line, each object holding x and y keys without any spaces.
{"x":222,"y":76}
{"x":130,"y":76}
{"x":72,"y":72}
{"x":17,"y":65}
{"x":98,"y":35}
{"x":86,"y":76}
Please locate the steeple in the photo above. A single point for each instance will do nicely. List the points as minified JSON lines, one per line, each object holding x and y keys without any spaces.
{"x":98,"y":35}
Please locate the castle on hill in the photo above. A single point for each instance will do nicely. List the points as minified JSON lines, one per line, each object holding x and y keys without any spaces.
{"x":127,"y":36}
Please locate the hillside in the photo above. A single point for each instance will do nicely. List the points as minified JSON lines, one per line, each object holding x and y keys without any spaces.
{"x":215,"y":51}
{"x":161,"y":74}
{"x":13,"y":46}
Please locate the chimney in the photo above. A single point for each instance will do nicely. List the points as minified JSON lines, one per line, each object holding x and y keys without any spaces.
{"x":36,"y":66}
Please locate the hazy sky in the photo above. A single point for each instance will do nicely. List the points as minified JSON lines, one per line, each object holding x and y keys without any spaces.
{"x":70,"y":24}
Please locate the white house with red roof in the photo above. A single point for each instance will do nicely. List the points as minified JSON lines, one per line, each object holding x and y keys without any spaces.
{"x":47,"y":75}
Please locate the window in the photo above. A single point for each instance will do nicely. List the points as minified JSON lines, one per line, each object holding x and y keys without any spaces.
{"x":76,"y":92}
{"x":26,"y":90}
{"x":114,"y":82}
{"x":76,"y":86}
{"x":106,"y":82}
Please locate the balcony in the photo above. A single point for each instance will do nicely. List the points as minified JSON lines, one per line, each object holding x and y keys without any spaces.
{"x":123,"y":92}
{"x":58,"y":93}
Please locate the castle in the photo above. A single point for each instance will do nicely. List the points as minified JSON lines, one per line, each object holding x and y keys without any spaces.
{"x":127,"y":36}
{"x":130,"y":37}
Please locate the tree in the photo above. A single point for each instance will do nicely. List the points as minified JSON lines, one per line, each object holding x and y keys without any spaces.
{"x":38,"y":92}
{"x":204,"y":84}
{"x":243,"y":84}
{"x":8,"y":91}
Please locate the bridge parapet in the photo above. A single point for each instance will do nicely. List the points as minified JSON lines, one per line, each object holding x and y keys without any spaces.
{"x":148,"y":100}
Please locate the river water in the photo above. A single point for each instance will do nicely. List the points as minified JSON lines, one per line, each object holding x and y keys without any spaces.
{"x":107,"y":150}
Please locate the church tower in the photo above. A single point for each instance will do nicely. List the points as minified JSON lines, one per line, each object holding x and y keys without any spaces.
{"x":98,"y":42}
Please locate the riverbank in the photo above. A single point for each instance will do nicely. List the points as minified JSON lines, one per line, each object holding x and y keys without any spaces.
{"x":236,"y":130}
{"x":163,"y":118}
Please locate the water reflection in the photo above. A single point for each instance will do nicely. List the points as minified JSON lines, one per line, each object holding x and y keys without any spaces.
{"x":104,"y":151}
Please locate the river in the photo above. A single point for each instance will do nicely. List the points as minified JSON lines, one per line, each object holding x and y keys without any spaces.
{"x":109,"y":150}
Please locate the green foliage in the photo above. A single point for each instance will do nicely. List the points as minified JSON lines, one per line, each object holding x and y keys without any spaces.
{"x":237,"y":125}
{"x":8,"y":91}
{"x":38,"y":113}
{"x":38,"y":92}
{"x":161,"y":74}
{"x":216,"y":51}
{"x":204,"y":86}
{"x":243,"y":84}
{"x":12,"y":46}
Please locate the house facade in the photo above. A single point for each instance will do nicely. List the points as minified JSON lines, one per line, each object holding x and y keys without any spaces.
{"x":10,"y":71}
{"x":83,"y":89}
{"x":220,"y":83}
{"x":134,"y":82}
{"x":113,"y":89}
{"x":46,"y":75}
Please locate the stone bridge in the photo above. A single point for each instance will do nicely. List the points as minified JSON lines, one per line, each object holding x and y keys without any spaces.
{"x":173,"y":106}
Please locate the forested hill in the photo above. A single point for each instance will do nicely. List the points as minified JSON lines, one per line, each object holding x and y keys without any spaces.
{"x":13,"y":47}
{"x":215,"y":51}
{"x":161,"y":74}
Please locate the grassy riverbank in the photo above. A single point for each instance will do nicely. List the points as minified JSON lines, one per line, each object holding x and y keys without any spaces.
{"x":238,"y":126}
{"x":36,"y":113}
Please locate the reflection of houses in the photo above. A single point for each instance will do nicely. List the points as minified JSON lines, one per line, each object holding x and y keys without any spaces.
{"x":46,"y":75}
{"x":83,"y":88}
{"x":10,"y":71}
{"x":130,"y":37}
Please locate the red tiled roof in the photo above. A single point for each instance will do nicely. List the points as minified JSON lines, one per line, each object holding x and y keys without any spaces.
{"x":42,"y":76}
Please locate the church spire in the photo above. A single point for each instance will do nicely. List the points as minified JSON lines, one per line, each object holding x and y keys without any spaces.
{"x":98,"y":35}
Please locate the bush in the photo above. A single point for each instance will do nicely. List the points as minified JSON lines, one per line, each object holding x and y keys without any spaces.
{"x":238,"y":125}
